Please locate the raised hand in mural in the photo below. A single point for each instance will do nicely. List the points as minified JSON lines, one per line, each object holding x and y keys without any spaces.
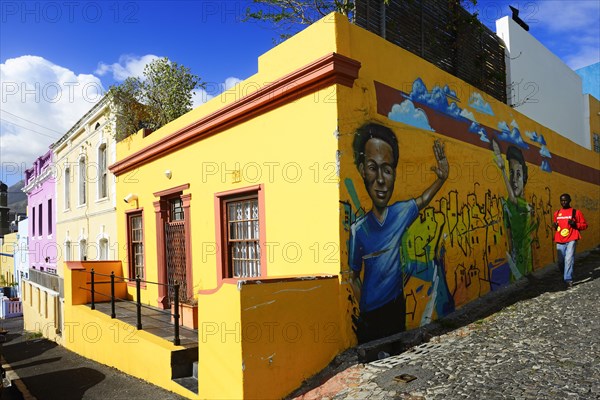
{"x":442,"y":171}
{"x":498,"y":155}
{"x":442,"y":168}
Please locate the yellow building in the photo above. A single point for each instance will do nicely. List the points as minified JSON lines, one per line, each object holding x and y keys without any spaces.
{"x":8,"y":246}
{"x":344,"y":159}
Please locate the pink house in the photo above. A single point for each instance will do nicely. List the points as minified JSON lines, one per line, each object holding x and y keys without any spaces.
{"x":41,"y":211}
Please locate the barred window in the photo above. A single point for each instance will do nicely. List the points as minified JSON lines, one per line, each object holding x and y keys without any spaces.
{"x":242,"y":237}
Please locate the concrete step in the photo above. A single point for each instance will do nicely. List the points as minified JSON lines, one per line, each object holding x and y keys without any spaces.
{"x":188,"y":382}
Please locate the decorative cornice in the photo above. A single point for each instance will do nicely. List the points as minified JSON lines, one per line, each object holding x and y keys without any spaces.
{"x":38,"y":180}
{"x":174,"y":190}
{"x":326,"y":71}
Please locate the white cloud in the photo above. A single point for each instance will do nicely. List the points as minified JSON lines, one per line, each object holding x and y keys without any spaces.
{"x":565,"y":15}
{"x":231,"y":82}
{"x":584,"y":56}
{"x":40,"y":101}
{"x":214,"y":89}
{"x":127,"y":66}
{"x":573,"y":27}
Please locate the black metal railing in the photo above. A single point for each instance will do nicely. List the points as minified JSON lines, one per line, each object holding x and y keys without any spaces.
{"x":93,"y":282}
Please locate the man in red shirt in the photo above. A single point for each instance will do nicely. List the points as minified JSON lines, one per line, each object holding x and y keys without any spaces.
{"x":567,"y":222}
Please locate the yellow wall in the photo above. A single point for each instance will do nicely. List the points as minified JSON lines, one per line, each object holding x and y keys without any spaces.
{"x":281,"y":321}
{"x":251,"y":334}
{"x":276,"y":150}
{"x":464,"y":218}
{"x":301,"y":153}
{"x":7,"y":264}
{"x":220,"y":364}
{"x":112,"y":342}
{"x":41,"y":308}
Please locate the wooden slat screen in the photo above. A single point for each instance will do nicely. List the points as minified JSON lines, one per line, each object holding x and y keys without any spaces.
{"x":443,"y":33}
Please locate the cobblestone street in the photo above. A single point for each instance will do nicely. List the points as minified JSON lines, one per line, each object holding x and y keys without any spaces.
{"x":544,"y":345}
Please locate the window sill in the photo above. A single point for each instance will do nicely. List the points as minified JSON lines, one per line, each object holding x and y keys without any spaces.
{"x":132,"y":284}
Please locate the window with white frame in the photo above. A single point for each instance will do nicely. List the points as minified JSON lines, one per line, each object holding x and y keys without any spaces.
{"x":103,"y":249}
{"x":135,"y":232}
{"x":82,"y":181}
{"x":67,"y":194}
{"x":83,"y":250}
{"x":102,"y":172}
{"x":68,"y":250}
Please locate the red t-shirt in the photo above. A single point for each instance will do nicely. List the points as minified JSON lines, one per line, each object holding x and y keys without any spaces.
{"x":565,"y":233}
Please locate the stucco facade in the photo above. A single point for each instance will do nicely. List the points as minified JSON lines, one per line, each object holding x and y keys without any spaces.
{"x":284,"y":220}
{"x":41,"y":211}
{"x":86,"y":198}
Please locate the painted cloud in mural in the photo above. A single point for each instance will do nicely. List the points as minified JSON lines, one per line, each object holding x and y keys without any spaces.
{"x":436,"y":99}
{"x":545,"y":152}
{"x":467,"y":114}
{"x":477,"y":102}
{"x":408,"y":114}
{"x":545,"y":166}
{"x":480,"y":130}
{"x":511,"y":135}
{"x":533,"y":135}
{"x":539,"y":139}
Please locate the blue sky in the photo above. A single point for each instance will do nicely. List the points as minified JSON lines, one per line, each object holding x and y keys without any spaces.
{"x":93,"y":44}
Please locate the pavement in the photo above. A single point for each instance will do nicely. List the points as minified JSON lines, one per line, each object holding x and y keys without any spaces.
{"x":531,"y":340}
{"x":40,"y":369}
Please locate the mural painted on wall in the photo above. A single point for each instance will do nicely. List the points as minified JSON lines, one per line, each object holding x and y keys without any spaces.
{"x":517,"y":212}
{"x":413,"y":261}
{"x":375,"y":239}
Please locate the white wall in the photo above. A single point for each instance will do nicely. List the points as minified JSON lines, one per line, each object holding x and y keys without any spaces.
{"x":541,"y":86}
{"x":22,"y":254}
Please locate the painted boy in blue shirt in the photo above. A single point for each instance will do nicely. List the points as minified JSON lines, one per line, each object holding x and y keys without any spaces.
{"x":376,"y":237}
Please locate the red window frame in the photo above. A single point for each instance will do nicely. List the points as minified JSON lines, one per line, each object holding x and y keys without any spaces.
{"x":225,"y":258}
{"x":131,"y":252}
